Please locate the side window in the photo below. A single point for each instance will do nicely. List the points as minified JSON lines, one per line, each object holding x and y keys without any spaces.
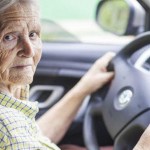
{"x":75,"y":21}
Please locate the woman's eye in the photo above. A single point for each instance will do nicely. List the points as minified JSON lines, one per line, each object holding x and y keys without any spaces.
{"x":9,"y":37}
{"x":33,"y":35}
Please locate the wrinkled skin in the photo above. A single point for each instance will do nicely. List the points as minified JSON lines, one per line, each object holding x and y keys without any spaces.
{"x":20,"y":52}
{"x":20,"y":47}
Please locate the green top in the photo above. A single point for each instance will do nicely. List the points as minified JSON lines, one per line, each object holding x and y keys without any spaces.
{"x":18,"y":129}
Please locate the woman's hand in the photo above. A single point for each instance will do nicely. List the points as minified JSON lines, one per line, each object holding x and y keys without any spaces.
{"x":97,"y":75}
{"x":144,"y":142}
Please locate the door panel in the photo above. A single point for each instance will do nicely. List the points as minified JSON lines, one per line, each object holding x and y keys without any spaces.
{"x":61,"y":67}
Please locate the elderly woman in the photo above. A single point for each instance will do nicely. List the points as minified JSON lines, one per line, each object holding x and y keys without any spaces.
{"x":20,"y":52}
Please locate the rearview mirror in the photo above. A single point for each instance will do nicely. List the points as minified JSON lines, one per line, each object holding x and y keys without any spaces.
{"x":122,"y":17}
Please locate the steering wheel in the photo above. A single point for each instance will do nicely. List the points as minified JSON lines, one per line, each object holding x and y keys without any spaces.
{"x":125,"y":108}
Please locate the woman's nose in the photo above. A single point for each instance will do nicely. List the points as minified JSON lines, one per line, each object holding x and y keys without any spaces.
{"x":27,"y":49}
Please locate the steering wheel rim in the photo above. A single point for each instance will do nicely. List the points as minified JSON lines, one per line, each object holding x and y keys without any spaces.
{"x":119,"y":61}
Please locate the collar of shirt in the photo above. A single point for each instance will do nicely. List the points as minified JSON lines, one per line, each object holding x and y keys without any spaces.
{"x":28,"y":108}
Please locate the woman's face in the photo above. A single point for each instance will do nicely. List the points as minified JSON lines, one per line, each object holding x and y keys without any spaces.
{"x":20,"y":44}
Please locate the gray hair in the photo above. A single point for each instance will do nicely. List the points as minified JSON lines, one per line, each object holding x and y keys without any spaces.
{"x":5,"y":4}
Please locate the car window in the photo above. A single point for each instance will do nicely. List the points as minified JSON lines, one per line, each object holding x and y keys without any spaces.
{"x":74,"y":21}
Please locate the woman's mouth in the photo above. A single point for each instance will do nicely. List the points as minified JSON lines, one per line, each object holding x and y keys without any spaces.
{"x":22,"y":66}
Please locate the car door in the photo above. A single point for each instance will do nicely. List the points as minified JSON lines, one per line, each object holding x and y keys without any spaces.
{"x":61,"y":67}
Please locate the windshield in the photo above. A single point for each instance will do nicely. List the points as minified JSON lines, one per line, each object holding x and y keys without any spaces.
{"x":74,"y":21}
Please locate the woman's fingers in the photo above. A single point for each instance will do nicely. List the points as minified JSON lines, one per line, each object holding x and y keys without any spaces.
{"x":104,"y":60}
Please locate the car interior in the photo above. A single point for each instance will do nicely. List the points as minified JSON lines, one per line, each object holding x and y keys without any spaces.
{"x":118,"y":113}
